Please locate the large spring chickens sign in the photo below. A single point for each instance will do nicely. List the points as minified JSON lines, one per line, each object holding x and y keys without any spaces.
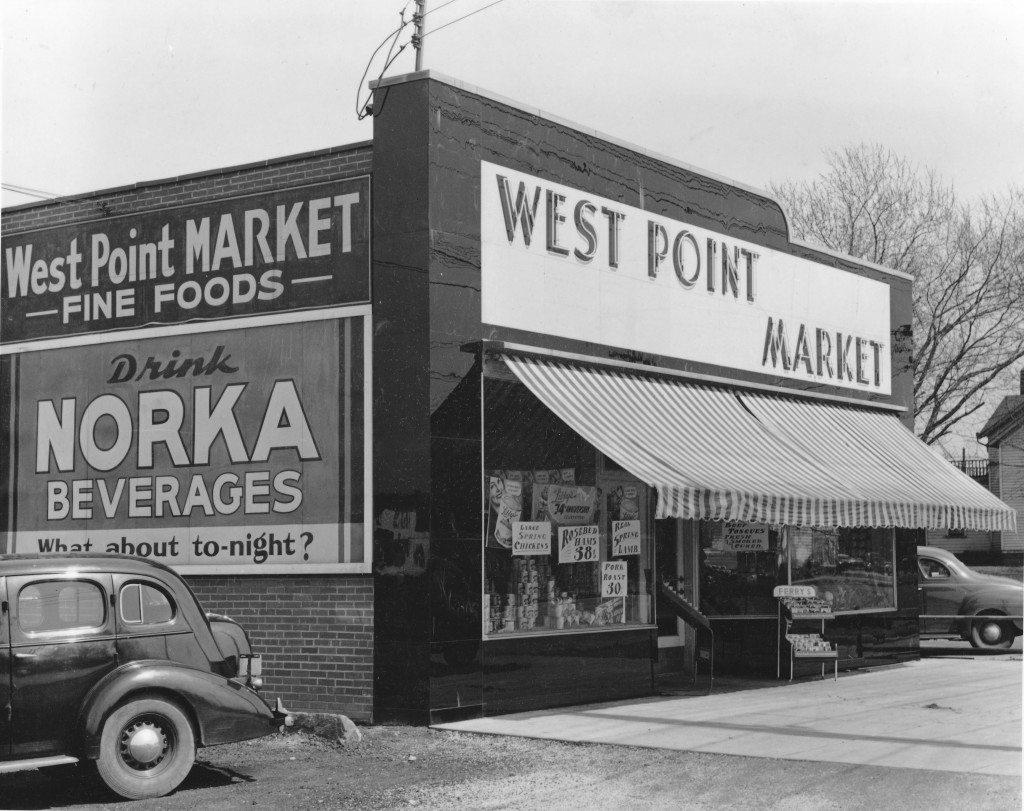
{"x":559,"y":261}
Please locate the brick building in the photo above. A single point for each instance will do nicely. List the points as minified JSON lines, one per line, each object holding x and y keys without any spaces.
{"x":441,"y":417}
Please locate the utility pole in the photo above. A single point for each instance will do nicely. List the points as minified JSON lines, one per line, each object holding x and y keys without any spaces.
{"x":417,"y":37}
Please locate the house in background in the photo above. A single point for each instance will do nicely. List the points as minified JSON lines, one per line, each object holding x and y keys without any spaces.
{"x":973,"y":546}
{"x":1004,"y":436}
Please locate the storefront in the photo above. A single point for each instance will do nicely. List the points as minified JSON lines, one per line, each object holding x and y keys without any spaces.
{"x":561,"y":436}
{"x":650,"y":384}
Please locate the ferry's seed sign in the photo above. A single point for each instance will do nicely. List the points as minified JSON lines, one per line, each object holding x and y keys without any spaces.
{"x":305,"y":247}
{"x":219,"y":448}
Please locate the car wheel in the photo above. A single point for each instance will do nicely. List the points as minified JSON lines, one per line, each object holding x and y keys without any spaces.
{"x":989,"y":631}
{"x":147,"y":747}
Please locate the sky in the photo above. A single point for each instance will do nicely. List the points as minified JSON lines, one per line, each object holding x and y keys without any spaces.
{"x":102,"y":93}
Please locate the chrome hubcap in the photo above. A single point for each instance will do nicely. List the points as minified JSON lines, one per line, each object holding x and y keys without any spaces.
{"x":143,"y":745}
{"x":991,"y":633}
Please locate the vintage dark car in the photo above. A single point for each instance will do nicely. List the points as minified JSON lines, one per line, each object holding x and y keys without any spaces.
{"x":960,"y":603}
{"x":112,"y":659}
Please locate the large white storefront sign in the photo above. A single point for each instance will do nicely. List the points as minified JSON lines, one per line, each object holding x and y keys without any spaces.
{"x":561,"y":262}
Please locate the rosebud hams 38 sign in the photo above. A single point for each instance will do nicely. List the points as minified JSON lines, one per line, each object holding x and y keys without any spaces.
{"x":235,"y":450}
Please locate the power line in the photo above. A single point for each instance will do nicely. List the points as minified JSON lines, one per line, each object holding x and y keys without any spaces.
{"x":458,"y":19}
{"x":43,"y":195}
{"x":366,"y":108}
{"x":363,"y":110}
{"x":437,"y":8}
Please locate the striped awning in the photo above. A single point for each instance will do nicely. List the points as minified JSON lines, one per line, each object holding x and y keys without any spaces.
{"x":732,"y":455}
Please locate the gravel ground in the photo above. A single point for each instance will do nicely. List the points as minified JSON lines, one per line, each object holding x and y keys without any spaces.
{"x":413,"y":767}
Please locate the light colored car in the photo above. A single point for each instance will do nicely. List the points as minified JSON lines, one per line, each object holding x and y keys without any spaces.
{"x":960,"y":603}
{"x":111,"y":659}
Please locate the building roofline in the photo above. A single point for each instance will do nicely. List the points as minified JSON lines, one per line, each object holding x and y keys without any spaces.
{"x":479,"y":91}
{"x":996,"y":429}
{"x":207,"y":173}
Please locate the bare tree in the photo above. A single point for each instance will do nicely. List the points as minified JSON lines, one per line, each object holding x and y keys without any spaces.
{"x":967,"y":261}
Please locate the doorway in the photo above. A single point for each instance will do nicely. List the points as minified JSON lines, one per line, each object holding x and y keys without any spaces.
{"x":676,"y":563}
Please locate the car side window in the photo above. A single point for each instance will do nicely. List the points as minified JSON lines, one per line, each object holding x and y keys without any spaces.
{"x":932,"y":569}
{"x":143,"y":604}
{"x":60,"y":605}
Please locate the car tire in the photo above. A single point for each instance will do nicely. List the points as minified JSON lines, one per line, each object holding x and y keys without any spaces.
{"x":147,"y":748}
{"x":989,"y":631}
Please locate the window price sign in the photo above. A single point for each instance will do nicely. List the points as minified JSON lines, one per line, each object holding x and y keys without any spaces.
{"x":625,"y":538}
{"x":531,"y":537}
{"x":613,"y":578}
{"x":578,"y":544}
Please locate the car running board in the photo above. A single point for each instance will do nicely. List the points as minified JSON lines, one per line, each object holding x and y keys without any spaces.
{"x":36,"y":763}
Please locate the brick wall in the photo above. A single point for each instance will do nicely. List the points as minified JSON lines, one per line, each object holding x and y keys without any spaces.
{"x":315,"y":633}
{"x":295,"y":170}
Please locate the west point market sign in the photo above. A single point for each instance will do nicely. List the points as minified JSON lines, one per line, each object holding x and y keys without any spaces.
{"x":244,"y":256}
{"x":558,"y":261}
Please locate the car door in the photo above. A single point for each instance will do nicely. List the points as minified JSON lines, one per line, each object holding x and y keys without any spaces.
{"x":151,"y":624}
{"x":5,"y":674}
{"x":941,"y":596}
{"x":62,"y":643}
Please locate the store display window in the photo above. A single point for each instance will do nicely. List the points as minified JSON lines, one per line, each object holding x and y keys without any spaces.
{"x":852,"y":567}
{"x":568,"y":534}
{"x":741,"y":563}
{"x":740,"y":566}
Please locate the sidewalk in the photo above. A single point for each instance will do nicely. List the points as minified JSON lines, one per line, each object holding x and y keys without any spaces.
{"x":953,"y":715}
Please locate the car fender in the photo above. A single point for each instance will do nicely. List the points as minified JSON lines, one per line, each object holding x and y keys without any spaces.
{"x":222,"y":711}
{"x":994,"y":601}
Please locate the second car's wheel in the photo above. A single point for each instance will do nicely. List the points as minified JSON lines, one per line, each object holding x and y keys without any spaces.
{"x":991,"y":631}
{"x":147,"y":747}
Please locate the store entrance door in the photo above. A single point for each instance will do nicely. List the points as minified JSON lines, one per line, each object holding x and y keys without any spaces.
{"x":676,"y":563}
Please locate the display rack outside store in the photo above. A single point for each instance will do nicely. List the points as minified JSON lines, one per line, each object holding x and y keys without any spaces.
{"x":799,"y":605}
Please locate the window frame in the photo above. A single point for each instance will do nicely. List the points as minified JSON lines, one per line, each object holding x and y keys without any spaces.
{"x":40,"y":633}
{"x":142,"y":623}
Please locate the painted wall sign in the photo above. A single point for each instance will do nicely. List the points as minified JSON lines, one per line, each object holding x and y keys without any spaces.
{"x":531,"y":538}
{"x":235,"y":449}
{"x":739,"y":536}
{"x":263,"y":253}
{"x":579,"y":544}
{"x":561,"y":262}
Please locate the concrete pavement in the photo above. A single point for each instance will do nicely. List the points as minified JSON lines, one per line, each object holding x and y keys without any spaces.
{"x":954,"y":715}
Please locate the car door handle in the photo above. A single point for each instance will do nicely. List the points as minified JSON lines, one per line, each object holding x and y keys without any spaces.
{"x":26,"y":655}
